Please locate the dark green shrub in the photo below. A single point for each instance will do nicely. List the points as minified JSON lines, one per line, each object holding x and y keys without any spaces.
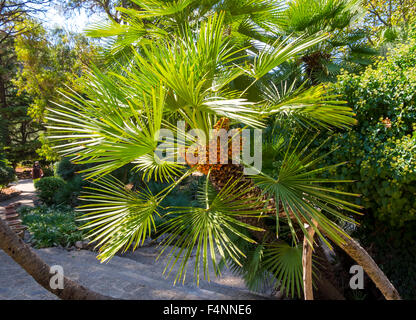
{"x":7,"y":174}
{"x":70,"y":192}
{"x":381,"y":149}
{"x":51,"y":226}
{"x":47,"y":171}
{"x":65,"y":169}
{"x":381,"y":155}
{"x":48,"y":187}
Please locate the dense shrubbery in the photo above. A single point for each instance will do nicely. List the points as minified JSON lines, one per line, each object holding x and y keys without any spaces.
{"x":51,"y":226}
{"x":7,"y":174}
{"x":381,"y":149}
{"x":47,"y":171}
{"x":381,"y":155}
{"x":70,"y":192}
{"x":48,"y":187}
{"x":63,"y":188}
{"x":65,"y":169}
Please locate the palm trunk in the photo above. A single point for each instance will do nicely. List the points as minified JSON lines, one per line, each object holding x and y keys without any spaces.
{"x":39,"y":270}
{"x":361,"y":256}
{"x":307,"y":263}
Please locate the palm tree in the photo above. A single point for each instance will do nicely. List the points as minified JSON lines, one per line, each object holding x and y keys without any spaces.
{"x":189,"y":73}
{"x":346,"y":47}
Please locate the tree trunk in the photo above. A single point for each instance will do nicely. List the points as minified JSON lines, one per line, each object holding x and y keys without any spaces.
{"x":361,"y":256}
{"x":39,"y":270}
{"x":307,"y":263}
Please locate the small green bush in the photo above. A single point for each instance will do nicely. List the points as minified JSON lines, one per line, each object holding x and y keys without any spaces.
{"x":52,"y":226}
{"x":70,"y":192}
{"x":65,"y":169}
{"x":7,"y":174}
{"x":48,"y":187}
{"x":48,"y":171}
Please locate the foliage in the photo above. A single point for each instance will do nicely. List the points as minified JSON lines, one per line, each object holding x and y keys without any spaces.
{"x":208,"y":228}
{"x":18,"y":132}
{"x":381,"y":149}
{"x":190,"y":74}
{"x":381,"y":153}
{"x":7,"y":174}
{"x":47,"y":65}
{"x":96,"y":7}
{"x":51,"y":225}
{"x":48,"y":187}
{"x":347,"y":46}
{"x":65,"y":169}
{"x":70,"y":192}
{"x":387,"y":14}
{"x":48,"y":60}
{"x":48,"y":171}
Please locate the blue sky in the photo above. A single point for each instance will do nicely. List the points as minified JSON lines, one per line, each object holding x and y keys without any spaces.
{"x":77,"y":23}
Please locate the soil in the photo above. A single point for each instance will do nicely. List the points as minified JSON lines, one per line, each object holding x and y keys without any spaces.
{"x":9,"y":193}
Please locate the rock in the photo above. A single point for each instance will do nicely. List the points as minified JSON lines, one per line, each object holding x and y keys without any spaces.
{"x":79,"y":244}
{"x":147,"y":242}
{"x":27,"y":237}
{"x":161,"y":238}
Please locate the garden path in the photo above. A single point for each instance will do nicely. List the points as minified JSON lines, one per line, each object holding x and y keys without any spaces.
{"x":26,"y":198}
{"x":135,"y":275}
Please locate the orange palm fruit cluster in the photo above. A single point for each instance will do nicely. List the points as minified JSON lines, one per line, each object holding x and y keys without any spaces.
{"x":208,"y":161}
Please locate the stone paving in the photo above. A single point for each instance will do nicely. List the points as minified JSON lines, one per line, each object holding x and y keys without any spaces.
{"x":121,"y":278}
{"x":135,"y":275}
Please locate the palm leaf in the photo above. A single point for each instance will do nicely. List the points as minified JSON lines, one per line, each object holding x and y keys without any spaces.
{"x":285,"y":262}
{"x":117,"y":217}
{"x":280,"y":51}
{"x":207,"y":229}
{"x":106,"y":132}
{"x":299,"y":193}
{"x":310,"y":107}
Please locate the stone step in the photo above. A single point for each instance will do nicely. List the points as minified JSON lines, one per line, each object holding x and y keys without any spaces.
{"x":225,"y":284}
{"x":128,"y":279}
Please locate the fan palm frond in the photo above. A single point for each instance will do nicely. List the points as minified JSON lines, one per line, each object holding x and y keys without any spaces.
{"x":285,"y":262}
{"x":298,"y":191}
{"x":155,"y":8}
{"x":280,"y":51}
{"x":207,"y":229}
{"x":106,"y":132}
{"x":310,"y":107}
{"x":117,"y":217}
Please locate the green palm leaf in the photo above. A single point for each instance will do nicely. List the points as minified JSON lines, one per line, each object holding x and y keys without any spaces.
{"x":117,"y":217}
{"x":285,"y":262}
{"x":207,"y":229}
{"x":299,"y":192}
{"x":106,"y":132}
{"x":310,"y":107}
{"x":155,"y":8}
{"x":280,"y":51}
